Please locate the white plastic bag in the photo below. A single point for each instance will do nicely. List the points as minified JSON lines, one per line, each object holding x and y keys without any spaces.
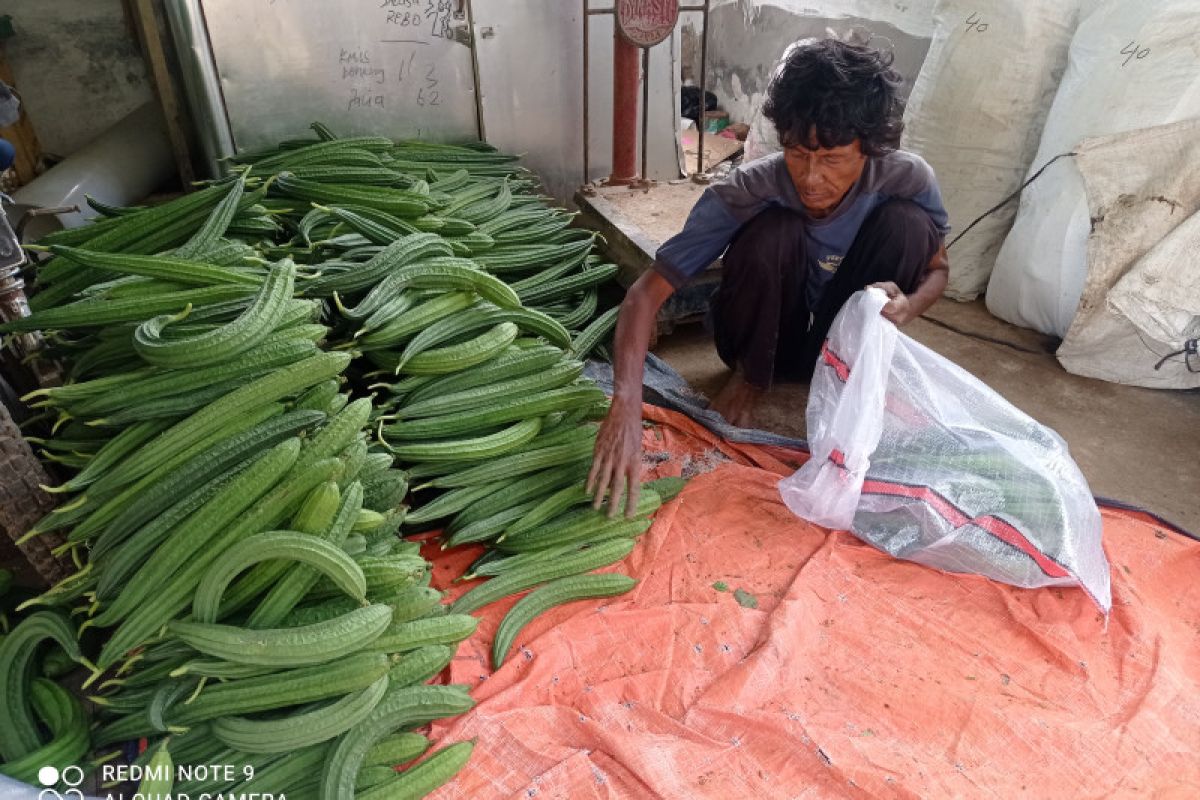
{"x":917,"y":457}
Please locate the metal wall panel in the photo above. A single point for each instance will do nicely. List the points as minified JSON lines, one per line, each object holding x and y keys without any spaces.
{"x":403,"y":68}
{"x":531,"y":70}
{"x":531,"y":75}
{"x":400,"y":68}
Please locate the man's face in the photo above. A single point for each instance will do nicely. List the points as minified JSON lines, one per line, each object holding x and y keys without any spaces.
{"x":823,"y":175}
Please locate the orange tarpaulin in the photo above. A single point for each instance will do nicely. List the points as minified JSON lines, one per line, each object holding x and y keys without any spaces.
{"x":857,"y":675}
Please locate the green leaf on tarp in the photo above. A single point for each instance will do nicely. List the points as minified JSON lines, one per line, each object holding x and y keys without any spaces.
{"x":720,"y":586}
{"x":745,"y":599}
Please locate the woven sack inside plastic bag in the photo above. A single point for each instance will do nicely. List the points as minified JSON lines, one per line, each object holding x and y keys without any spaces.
{"x":919,"y":458}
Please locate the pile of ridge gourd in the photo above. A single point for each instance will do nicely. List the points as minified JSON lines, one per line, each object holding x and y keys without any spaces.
{"x":236,"y":516}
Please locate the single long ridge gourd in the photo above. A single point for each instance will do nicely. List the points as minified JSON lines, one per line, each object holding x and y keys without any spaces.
{"x":226,"y":341}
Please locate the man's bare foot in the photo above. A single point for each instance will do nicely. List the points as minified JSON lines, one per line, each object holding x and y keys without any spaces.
{"x":735,"y":402}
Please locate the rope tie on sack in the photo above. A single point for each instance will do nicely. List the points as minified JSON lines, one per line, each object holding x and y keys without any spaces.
{"x":1190,"y":351}
{"x":1008,"y":199}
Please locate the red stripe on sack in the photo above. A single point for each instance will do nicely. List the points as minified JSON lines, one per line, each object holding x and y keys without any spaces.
{"x":1004,"y":531}
{"x":834,"y":360}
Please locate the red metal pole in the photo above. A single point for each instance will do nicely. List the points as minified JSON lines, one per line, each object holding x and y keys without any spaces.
{"x":626,"y":72}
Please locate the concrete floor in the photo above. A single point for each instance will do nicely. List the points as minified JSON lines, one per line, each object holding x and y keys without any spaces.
{"x":1136,"y":445}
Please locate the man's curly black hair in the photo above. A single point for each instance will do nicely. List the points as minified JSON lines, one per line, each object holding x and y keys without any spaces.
{"x":839,"y":92}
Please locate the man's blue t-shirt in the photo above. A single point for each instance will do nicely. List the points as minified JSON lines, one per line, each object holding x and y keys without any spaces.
{"x":726,"y":206}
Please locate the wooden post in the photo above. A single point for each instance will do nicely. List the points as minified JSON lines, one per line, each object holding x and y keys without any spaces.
{"x":149,"y":32}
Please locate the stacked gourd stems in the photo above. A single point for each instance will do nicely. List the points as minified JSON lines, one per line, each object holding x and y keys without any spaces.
{"x":234,"y":526}
{"x":476,"y":303}
{"x":235,"y":534}
{"x":495,"y":426}
{"x":344,"y":201}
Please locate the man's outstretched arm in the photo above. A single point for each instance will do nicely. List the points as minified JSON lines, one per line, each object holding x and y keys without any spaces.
{"x":618,"y":454}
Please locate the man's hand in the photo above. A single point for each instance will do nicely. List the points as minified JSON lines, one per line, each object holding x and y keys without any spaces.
{"x":898,"y":308}
{"x":902,"y":308}
{"x":617,"y":462}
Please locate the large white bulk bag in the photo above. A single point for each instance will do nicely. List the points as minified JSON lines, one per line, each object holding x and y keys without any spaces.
{"x":1131,"y":65}
{"x":1139,"y":318}
{"x":976,"y":114}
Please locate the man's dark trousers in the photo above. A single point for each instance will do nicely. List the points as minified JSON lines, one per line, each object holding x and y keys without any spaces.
{"x":760,"y":314}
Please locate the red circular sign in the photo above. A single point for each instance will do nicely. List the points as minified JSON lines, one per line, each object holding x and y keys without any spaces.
{"x":645,"y":23}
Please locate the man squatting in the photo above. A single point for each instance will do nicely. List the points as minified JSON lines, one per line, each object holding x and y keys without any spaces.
{"x":841,"y":208}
